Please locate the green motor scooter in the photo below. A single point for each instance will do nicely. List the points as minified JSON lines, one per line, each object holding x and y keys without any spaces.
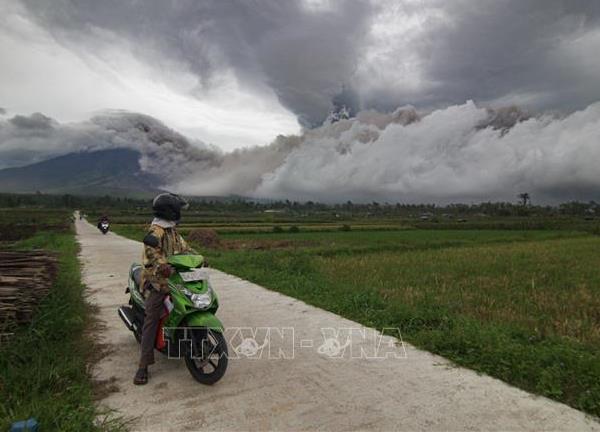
{"x":188,"y":326}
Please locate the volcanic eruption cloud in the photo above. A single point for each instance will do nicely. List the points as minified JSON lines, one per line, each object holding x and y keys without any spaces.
{"x":443,"y":101}
{"x":459,"y":153}
{"x":453,"y":154}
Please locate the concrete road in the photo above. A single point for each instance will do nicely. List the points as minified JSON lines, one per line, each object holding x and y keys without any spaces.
{"x":305,"y":380}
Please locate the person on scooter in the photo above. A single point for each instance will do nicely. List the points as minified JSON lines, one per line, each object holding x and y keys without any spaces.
{"x":102,"y":219}
{"x":161,"y":241}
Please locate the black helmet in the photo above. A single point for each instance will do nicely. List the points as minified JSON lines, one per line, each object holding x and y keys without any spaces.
{"x":168,"y":206}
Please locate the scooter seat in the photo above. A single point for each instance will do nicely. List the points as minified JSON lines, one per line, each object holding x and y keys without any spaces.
{"x":137,"y":276}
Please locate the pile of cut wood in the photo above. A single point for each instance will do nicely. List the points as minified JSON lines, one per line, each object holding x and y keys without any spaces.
{"x":25,"y":278}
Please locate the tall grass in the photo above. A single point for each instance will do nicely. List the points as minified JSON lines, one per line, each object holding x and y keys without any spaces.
{"x":43,"y":372}
{"x":520,"y":305}
{"x":526,"y":312}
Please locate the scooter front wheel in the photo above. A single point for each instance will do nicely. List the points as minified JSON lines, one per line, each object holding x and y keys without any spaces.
{"x":207,"y":356}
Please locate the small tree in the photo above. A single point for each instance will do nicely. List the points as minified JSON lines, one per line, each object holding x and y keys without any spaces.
{"x":525,"y":199}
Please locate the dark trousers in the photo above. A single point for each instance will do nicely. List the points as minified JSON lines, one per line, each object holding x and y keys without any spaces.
{"x":154,"y":307}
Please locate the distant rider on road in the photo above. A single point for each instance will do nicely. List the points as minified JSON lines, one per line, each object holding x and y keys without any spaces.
{"x":103,"y":218}
{"x":161,"y":241}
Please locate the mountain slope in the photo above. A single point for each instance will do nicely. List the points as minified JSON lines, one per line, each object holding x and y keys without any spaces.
{"x":102,"y":172}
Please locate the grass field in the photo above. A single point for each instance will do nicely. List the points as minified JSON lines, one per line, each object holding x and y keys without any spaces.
{"x":43,"y":366}
{"x":250,"y":221}
{"x":520,"y":305}
{"x":18,"y":223}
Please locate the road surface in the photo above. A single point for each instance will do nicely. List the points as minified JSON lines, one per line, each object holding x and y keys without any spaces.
{"x":298,"y":381}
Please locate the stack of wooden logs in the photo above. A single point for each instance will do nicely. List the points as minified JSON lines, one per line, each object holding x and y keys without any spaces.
{"x":25,"y":278}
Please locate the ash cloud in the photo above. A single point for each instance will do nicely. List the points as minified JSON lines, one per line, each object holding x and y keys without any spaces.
{"x":426,"y":56}
{"x":35,"y":121}
{"x":366,"y":54}
{"x":446,"y":156}
{"x":302,"y":55}
{"x":533,"y":50}
{"x":461,"y":153}
{"x":26,"y":139}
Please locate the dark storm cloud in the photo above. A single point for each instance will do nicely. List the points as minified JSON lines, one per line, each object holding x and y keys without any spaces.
{"x":434,"y":54}
{"x":489,"y":49}
{"x":303,"y":55}
{"x":541,"y":53}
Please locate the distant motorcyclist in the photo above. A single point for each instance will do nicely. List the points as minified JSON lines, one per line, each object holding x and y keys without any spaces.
{"x":103,"y":224}
{"x":103,"y":219}
{"x":161,"y":241}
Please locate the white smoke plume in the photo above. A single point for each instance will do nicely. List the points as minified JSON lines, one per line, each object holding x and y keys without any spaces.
{"x":461,"y":153}
{"x":458,"y":154}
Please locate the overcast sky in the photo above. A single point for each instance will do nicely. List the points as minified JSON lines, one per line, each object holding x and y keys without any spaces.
{"x":237,"y":73}
{"x":218,"y":75}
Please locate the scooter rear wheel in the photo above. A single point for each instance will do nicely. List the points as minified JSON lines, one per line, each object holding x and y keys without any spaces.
{"x":207,"y":356}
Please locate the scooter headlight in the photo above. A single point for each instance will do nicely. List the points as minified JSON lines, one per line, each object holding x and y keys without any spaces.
{"x":200,"y":301}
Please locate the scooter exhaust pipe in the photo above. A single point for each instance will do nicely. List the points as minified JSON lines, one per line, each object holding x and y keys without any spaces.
{"x":126,"y":315}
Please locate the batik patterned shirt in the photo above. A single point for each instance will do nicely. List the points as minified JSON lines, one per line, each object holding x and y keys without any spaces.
{"x":159,"y":244}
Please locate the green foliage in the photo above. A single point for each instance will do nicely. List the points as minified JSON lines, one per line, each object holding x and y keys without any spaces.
{"x":68,"y":201}
{"x":345,"y":227}
{"x":520,"y":306}
{"x":294,"y":229}
{"x":43,"y":369}
{"x":224,"y":208}
{"x":18,"y":223}
{"x":277,"y":229}
{"x":503,"y":289}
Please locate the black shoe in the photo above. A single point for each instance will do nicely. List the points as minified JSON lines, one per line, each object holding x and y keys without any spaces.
{"x":141,"y":376}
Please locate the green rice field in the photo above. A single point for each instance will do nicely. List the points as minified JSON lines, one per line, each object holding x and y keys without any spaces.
{"x":520,"y":305}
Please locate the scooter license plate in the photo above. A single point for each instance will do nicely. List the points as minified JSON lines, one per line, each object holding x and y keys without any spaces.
{"x":194,"y":275}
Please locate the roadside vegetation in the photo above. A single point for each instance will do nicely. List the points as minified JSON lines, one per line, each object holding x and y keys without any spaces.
{"x":43,"y":365}
{"x":505,"y":289}
{"x":523,"y":308}
{"x":519,"y":305}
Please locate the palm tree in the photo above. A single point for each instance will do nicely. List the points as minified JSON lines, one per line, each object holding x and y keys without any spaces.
{"x":525,"y":198}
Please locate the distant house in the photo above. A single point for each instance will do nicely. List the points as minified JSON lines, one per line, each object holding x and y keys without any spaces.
{"x":274,"y":211}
